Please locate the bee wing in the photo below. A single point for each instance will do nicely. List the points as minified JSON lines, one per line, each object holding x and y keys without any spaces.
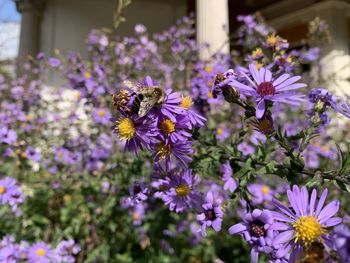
{"x":133,"y":86}
{"x":146,"y":105}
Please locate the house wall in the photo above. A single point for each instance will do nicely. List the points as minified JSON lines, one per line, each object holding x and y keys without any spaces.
{"x":67,"y":23}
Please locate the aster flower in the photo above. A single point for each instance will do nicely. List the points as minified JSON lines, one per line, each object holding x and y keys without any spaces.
{"x":222,"y":132}
{"x":245,"y":148}
{"x":172,"y":153}
{"x":256,"y":230}
{"x":230,"y":183}
{"x":261,"y":193}
{"x":182,"y":194}
{"x":39,"y":253}
{"x":303,"y":224}
{"x":341,"y":239}
{"x":65,"y":251}
{"x":7,"y":136}
{"x":136,"y":132}
{"x":212,"y":214}
{"x":102,"y":116}
{"x":33,"y":154}
{"x":341,"y":106}
{"x":194,"y":118}
{"x":10,"y":192}
{"x":174,"y":131}
{"x":264,"y":88}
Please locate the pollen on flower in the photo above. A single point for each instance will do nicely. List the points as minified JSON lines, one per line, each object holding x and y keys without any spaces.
{"x":186,"y":102}
{"x":41,"y":252}
{"x":2,"y":190}
{"x":210,"y":95}
{"x":266,"y":89}
{"x":258,"y":65}
{"x":126,"y":128}
{"x":182,"y":190}
{"x":265,"y":189}
{"x":167,"y":126}
{"x":258,"y":229}
{"x":307,"y":230}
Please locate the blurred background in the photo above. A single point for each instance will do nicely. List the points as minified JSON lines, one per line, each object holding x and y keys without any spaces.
{"x":30,"y":26}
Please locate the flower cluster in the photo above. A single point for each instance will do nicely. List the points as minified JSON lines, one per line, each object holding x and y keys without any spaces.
{"x":39,"y":252}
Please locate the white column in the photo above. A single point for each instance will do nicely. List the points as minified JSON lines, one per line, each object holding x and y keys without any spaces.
{"x":212,"y":26}
{"x":30,"y":28}
{"x":335,"y":56}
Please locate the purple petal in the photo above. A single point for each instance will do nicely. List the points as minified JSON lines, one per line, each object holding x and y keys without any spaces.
{"x":333,"y":221}
{"x":287,"y":82}
{"x":321,"y":201}
{"x":283,"y":237}
{"x":292,"y":87}
{"x":260,"y":110}
{"x":254,"y":256}
{"x":217,"y":224}
{"x":328,"y":211}
{"x":255,"y":73}
{"x":280,"y":79}
{"x":237,"y":228}
{"x":312,"y":202}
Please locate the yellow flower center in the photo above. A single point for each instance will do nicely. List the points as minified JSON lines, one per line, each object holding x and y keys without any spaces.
{"x":186,"y":102}
{"x":135,"y":216}
{"x":308,"y":230}
{"x":23,"y":256}
{"x":41,"y":252}
{"x":167,"y":126}
{"x":2,"y":190}
{"x":257,"y":53}
{"x":219,"y":131}
{"x":101,"y":113}
{"x":210,"y":95}
{"x":87,"y":75}
{"x":209,"y":69}
{"x":272,"y":40}
{"x":265,"y":189}
{"x":325,"y":148}
{"x":209,"y":83}
{"x":126,"y":129}
{"x":182,"y":190}
{"x":163,"y":150}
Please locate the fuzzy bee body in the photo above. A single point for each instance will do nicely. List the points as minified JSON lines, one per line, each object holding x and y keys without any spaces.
{"x":146,"y":97}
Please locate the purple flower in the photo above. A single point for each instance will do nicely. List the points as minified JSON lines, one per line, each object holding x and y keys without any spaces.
{"x":222,"y":132}
{"x":261,"y":193}
{"x":182,"y":194}
{"x":303,"y":223}
{"x":230,"y":183}
{"x":140,"y":29}
{"x":174,"y":131}
{"x":7,"y":136}
{"x":102,"y":116}
{"x":264,"y":88}
{"x":245,"y":148}
{"x":54,"y":62}
{"x":10,"y":192}
{"x":256,"y":230}
{"x":137,"y":214}
{"x":341,"y":239}
{"x":136,"y":132}
{"x":194,"y":118}
{"x":212,"y":214}
{"x":39,"y":253}
{"x":65,"y":250}
{"x":341,"y":106}
{"x":172,"y":153}
{"x":33,"y":154}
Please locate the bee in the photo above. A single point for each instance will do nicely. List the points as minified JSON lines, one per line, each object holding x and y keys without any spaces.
{"x":146,"y":97}
{"x":315,"y":253}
